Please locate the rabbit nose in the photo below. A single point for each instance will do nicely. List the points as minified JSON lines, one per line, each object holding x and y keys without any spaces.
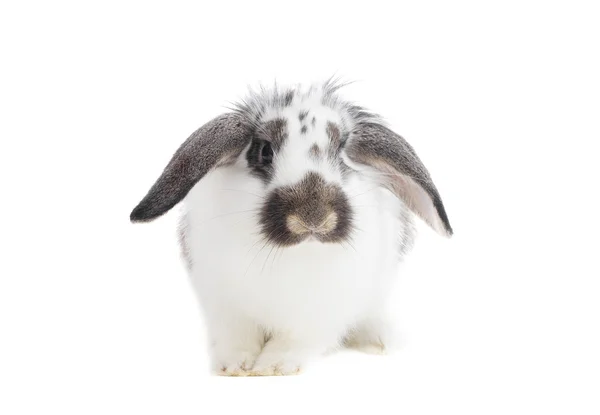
{"x":310,"y":207}
{"x":300,"y":226}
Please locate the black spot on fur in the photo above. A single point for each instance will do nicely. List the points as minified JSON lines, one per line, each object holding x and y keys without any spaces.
{"x":311,"y":201}
{"x":303,"y":129}
{"x":315,"y":152}
{"x":335,"y":139}
{"x":314,"y":121}
{"x":276,"y":132}
{"x":302,"y":115}
{"x":289,"y":97}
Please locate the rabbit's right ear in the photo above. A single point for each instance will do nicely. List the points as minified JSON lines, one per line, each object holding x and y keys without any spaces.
{"x":216,"y":143}
{"x":402,"y":172}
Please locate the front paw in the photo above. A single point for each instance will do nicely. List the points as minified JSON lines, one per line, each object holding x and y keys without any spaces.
{"x":374,"y":336}
{"x":235,"y":363}
{"x":277,"y":364}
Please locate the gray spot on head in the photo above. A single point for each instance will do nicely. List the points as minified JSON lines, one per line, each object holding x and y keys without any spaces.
{"x":289,"y":97}
{"x":303,"y":129}
{"x":302,"y":115}
{"x":335,"y":139}
{"x":276,"y":131}
{"x":315,"y":152}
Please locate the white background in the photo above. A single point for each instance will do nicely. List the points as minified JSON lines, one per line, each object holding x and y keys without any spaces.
{"x":502,"y":102}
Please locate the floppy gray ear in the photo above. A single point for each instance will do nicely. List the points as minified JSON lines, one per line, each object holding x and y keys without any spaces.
{"x":403,"y":172}
{"x":216,"y":143}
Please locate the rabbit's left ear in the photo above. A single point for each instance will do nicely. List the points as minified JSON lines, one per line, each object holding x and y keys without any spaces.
{"x":401,"y":170}
{"x":216,"y":143}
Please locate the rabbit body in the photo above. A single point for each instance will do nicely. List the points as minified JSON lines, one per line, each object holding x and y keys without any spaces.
{"x":303,"y":299}
{"x":297,"y":213}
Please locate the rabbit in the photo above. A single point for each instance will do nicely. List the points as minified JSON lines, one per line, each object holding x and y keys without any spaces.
{"x":297,"y":212}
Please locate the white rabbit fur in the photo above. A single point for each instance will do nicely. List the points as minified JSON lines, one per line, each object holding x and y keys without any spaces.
{"x":270,"y":310}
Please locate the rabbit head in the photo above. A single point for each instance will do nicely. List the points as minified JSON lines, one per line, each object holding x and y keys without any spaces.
{"x":304,"y":146}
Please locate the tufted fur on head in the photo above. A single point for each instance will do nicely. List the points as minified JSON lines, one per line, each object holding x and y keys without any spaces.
{"x":267,"y":102}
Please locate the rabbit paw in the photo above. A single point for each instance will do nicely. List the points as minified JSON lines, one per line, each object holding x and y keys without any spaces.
{"x":373,"y":336}
{"x":276,"y":364}
{"x":280,"y":357}
{"x":236,"y":363}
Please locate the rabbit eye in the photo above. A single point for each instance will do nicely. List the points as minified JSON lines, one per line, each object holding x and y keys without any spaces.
{"x":266,"y":153}
{"x":260,"y":158}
